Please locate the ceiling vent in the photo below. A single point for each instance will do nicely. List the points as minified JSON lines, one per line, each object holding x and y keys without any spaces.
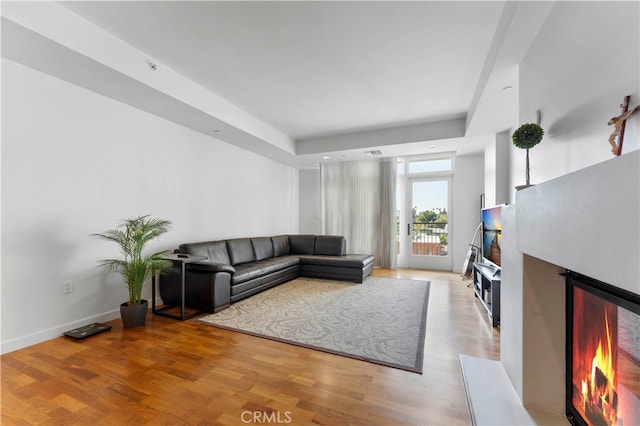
{"x":373,"y":153}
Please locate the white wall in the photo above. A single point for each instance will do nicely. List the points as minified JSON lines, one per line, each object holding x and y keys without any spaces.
{"x":467,"y":188}
{"x":511,"y":308}
{"x":577,"y":71}
{"x":496,"y":170}
{"x":490,"y":173}
{"x":310,"y":209}
{"x":75,"y":163}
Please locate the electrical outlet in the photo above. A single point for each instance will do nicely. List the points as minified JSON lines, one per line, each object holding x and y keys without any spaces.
{"x":67,"y":286}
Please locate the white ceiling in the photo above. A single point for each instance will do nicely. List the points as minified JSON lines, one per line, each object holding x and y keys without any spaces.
{"x":327,"y":73}
{"x":317,"y":68}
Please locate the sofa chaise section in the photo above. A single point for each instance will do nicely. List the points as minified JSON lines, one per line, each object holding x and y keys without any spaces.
{"x":350,"y":267}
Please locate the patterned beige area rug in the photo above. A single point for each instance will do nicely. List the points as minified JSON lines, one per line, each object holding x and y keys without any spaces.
{"x":382,"y":320}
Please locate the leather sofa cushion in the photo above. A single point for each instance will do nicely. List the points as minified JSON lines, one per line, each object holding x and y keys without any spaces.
{"x":240,"y":251}
{"x":330,"y":245}
{"x":349,"y":261}
{"x":280,"y":245}
{"x":262,"y":247}
{"x":247,"y":288}
{"x":253,"y":270}
{"x":218,"y":253}
{"x":301,"y":244}
{"x":278,"y":263}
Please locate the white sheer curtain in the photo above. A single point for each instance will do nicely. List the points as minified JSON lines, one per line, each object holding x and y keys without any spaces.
{"x":359,"y":202}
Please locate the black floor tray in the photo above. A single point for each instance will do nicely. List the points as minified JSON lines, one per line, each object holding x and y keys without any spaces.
{"x":87,"y":330}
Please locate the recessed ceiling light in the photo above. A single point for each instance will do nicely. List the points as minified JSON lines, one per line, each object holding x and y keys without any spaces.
{"x":373,"y":152}
{"x":431,"y":146}
{"x":326,"y":157}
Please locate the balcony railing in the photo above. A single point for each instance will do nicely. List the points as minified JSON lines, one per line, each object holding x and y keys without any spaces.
{"x":430,"y":238}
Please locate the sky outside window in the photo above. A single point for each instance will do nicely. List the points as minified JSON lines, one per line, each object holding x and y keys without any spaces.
{"x":430,"y":195}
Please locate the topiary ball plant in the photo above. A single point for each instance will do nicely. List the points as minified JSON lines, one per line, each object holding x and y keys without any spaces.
{"x":526,"y":137}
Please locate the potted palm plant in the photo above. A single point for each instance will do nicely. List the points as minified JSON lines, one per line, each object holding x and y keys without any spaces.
{"x":131,"y":235}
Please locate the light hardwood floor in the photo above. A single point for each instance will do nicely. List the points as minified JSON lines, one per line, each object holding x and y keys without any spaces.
{"x":172,"y":372}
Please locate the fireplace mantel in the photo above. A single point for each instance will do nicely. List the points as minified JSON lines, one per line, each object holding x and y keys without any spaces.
{"x":587,"y":221}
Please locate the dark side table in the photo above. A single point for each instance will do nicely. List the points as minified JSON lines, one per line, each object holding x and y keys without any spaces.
{"x":182,"y":259}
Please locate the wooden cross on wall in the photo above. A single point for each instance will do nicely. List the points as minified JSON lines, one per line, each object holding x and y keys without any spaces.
{"x":619,"y":124}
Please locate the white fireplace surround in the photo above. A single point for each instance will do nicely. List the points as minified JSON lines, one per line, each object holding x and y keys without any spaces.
{"x":587,"y":221}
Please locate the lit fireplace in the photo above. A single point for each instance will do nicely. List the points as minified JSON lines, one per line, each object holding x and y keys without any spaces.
{"x":603,"y":353}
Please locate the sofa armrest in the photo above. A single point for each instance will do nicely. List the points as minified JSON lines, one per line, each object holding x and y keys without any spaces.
{"x":206,"y":266}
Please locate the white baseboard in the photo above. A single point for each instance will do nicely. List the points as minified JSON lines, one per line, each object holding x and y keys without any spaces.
{"x":51,"y":333}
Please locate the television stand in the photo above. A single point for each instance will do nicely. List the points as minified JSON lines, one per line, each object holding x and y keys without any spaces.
{"x":486,"y":286}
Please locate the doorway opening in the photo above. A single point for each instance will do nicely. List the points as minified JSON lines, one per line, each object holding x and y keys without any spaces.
{"x":425,"y":194}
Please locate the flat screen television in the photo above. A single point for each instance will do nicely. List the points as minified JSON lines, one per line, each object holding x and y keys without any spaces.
{"x":492,"y":235}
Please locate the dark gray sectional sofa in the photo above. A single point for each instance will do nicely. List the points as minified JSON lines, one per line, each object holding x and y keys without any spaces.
{"x":238,"y":268}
